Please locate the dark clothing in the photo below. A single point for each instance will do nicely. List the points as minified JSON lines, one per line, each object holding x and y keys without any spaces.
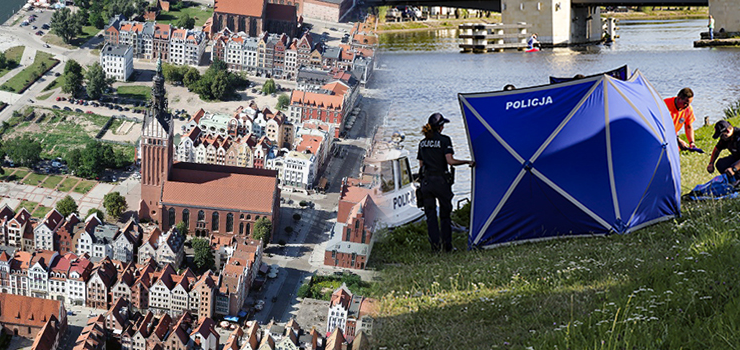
{"x":732,"y":144}
{"x":433,"y":152}
{"x":725,"y":162}
{"x":435,"y":187}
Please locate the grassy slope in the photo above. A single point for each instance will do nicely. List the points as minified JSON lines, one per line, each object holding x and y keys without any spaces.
{"x":12,"y":54}
{"x":667,"y":286}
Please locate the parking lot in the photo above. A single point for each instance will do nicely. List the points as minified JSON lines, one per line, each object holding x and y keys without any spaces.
{"x":35,"y":25}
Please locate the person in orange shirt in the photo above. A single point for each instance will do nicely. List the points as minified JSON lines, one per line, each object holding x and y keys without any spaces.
{"x":683,"y":115}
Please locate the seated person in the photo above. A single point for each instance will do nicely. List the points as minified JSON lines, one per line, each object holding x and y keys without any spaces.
{"x":532,"y":41}
{"x":729,"y":139}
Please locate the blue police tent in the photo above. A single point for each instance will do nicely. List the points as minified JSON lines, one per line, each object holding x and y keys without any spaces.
{"x":586,"y":157}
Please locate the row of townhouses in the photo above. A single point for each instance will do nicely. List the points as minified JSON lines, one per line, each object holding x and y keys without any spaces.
{"x":250,"y":138}
{"x":276,"y":55}
{"x":91,"y":237}
{"x":77,"y":280}
{"x":151,"y":40}
{"x":127,"y":329}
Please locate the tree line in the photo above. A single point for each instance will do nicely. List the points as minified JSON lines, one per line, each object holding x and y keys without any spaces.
{"x":217,"y":83}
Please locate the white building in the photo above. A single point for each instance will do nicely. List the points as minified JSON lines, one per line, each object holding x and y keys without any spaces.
{"x":298,"y":170}
{"x":117,"y":61}
{"x":187,"y":46}
{"x":44,"y":231}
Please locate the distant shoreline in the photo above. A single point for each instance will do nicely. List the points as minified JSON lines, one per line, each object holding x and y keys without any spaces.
{"x":451,"y":23}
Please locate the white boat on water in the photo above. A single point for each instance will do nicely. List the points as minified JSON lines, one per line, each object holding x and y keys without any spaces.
{"x":394,"y":190}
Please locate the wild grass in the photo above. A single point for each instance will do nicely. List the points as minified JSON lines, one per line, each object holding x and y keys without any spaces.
{"x":34,"y":179}
{"x":41,"y":211}
{"x":13,"y":55}
{"x":139,"y":92}
{"x":194,"y":10}
{"x":87,"y":33}
{"x":52,"y":181}
{"x":669,"y":286}
{"x":30,"y":206}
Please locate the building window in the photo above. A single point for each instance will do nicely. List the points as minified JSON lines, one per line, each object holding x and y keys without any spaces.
{"x":214,"y":221}
{"x":171,"y":218}
{"x":230,"y":222}
{"x":349,"y":230}
{"x":241,"y":228}
{"x":201,"y":215}
{"x":186,"y":217}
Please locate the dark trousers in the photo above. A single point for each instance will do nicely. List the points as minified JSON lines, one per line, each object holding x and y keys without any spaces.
{"x":435,"y":187}
{"x":724,"y":163}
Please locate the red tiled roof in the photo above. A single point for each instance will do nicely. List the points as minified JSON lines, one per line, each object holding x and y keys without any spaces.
{"x":252,"y":8}
{"x":316,"y":99}
{"x":47,"y":336}
{"x":213,"y":186}
{"x":309,"y":144}
{"x":27,"y":311}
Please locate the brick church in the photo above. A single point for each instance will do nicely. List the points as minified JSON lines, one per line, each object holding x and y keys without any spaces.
{"x":208,"y":198}
{"x":256,"y":16}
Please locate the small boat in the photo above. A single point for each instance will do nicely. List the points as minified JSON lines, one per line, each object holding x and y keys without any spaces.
{"x":394,"y":189}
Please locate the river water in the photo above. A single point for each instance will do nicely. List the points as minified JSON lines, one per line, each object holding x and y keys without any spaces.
{"x":8,"y":8}
{"x":422,"y":72}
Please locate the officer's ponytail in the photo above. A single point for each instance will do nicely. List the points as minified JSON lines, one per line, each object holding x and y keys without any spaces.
{"x":428,"y":130}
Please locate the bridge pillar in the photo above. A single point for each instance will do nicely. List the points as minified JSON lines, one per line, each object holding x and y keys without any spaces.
{"x":556,"y":22}
{"x":726,"y":15}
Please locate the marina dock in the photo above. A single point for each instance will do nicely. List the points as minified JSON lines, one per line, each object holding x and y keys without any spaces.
{"x":485,"y":37}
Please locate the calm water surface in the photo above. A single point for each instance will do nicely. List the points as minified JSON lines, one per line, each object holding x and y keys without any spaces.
{"x":8,"y":8}
{"x":422,"y":73}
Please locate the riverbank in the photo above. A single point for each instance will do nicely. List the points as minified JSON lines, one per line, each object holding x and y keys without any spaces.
{"x":452,"y":23}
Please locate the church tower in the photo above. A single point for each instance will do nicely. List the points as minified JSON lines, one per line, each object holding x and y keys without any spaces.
{"x":156,"y":150}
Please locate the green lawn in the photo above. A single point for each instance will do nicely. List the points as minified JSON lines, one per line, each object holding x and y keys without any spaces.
{"x":34,"y":179}
{"x":30,"y":206}
{"x":87,"y":33}
{"x":85,"y":186}
{"x":193,"y":10}
{"x":68,"y":184}
{"x":12,"y":54}
{"x":140,"y":92}
{"x":21,"y":80}
{"x":41,"y":211}
{"x":43,"y":96}
{"x":52,"y":181}
{"x":18,"y":174}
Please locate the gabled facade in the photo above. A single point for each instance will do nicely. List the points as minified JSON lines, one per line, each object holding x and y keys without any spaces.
{"x":44,"y":232}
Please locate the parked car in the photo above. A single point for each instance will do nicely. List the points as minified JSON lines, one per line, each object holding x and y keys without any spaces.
{"x":67,"y":109}
{"x":39,"y":33}
{"x":45,"y":26}
{"x":77,"y":110}
{"x":89,"y":112}
{"x":59,"y":98}
{"x":55,"y":107}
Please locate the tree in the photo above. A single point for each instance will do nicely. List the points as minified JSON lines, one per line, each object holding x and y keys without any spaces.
{"x":269,"y":87}
{"x":114,"y":204}
{"x":288,"y":229}
{"x":82,"y":16}
{"x":203,"y":253}
{"x":185,"y":22}
{"x":182,"y":228}
{"x":94,"y":159}
{"x":65,"y":25}
{"x":67,"y":206}
{"x":283,"y":101}
{"x":191,"y":77}
{"x":297,"y":217}
{"x":97,"y":83}
{"x":3,"y":60}
{"x":100,"y":213}
{"x":96,"y":19}
{"x":173,"y":73}
{"x":220,"y":85}
{"x":262,"y":230}
{"x":72,"y":78}
{"x":23,"y":150}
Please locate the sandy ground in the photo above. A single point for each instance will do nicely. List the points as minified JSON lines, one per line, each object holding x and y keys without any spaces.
{"x":312,"y":313}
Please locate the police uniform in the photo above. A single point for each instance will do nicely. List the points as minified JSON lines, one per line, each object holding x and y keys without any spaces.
{"x":435,"y":185}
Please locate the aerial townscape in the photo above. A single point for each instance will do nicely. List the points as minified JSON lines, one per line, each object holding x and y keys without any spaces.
{"x":180,"y":176}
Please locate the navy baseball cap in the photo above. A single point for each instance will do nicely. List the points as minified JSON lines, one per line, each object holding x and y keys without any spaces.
{"x":720,"y":127}
{"x":437,"y":119}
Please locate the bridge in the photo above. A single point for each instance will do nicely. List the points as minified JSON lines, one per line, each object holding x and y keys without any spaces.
{"x":567,"y":22}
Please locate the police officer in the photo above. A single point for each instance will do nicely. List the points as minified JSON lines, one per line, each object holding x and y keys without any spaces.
{"x":435,"y":154}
